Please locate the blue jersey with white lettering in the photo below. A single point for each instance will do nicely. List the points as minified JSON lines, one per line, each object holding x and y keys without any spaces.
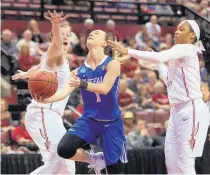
{"x":99,"y":106}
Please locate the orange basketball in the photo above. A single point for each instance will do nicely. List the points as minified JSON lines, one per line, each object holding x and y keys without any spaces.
{"x":43,"y":83}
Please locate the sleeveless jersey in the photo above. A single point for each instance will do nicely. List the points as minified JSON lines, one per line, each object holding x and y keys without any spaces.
{"x":63,"y":77}
{"x":99,"y":106}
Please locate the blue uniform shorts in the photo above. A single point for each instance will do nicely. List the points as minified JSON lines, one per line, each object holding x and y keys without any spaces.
{"x":108,"y":134}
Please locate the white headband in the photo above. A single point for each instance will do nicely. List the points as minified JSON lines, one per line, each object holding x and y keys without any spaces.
{"x":199,"y":45}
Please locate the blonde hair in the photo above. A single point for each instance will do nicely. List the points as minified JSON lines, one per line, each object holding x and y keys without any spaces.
{"x":25,"y":50}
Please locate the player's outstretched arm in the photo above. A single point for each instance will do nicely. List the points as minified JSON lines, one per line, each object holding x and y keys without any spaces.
{"x":55,"y":49}
{"x":25,"y":75}
{"x":113,"y":71}
{"x":176,"y":52}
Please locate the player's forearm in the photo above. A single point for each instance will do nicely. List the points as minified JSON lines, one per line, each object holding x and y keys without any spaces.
{"x":157,"y":57}
{"x":98,"y":88}
{"x":34,"y":69}
{"x":60,"y":95}
{"x":57,"y":36}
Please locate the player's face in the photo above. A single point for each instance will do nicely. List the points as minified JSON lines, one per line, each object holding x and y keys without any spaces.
{"x":66,"y":34}
{"x":96,"y":38}
{"x":183,"y":34}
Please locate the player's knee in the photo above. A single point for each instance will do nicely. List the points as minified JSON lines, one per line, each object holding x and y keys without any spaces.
{"x":66,"y":147}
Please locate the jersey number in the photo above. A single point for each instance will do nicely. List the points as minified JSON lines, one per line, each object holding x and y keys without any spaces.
{"x":98,"y":98}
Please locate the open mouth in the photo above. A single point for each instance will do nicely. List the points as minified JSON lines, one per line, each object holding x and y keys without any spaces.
{"x":89,"y":38}
{"x":65,"y":43}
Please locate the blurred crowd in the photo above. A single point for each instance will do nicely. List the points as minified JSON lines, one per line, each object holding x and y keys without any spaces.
{"x":141,"y":87}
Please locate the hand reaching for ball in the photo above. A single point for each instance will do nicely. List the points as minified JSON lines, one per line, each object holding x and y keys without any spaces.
{"x":74,"y":80}
{"x":56,"y":18}
{"x":20,"y":75}
{"x":39,"y":99}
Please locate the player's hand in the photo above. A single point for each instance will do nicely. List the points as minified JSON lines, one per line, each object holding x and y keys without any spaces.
{"x":119,"y":57}
{"x":40,"y":99}
{"x":74,"y":80}
{"x":56,"y":18}
{"x":118,"y":47}
{"x":20,"y":75}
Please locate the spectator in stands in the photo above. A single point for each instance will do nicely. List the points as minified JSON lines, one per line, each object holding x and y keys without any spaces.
{"x":204,"y":8}
{"x":144,"y":98}
{"x":132,"y":44}
{"x":81,"y":48}
{"x":136,"y":81}
{"x":6,"y":42}
{"x":206,"y":91}
{"x":26,"y":60}
{"x":34,"y":49}
{"x":205,"y":77}
{"x":6,"y":119}
{"x":110,"y":25}
{"x":89,"y":27}
{"x":150,"y":44}
{"x":142,"y":36}
{"x":139,"y":138}
{"x":20,"y":134}
{"x":168,"y":40}
{"x":166,"y":9}
{"x":159,"y":97}
{"x":152,"y":79}
{"x":74,"y":40}
{"x":154,"y":29}
{"x":125,"y":97}
{"x":128,"y":119}
{"x":33,"y":26}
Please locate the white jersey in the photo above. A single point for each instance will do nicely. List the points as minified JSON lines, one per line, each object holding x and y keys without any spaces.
{"x":182,"y":76}
{"x":63,"y":77}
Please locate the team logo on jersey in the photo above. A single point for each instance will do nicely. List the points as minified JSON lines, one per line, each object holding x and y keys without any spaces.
{"x":103,"y":68}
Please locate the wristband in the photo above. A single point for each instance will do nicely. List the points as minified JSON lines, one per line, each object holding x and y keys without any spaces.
{"x":83,"y":84}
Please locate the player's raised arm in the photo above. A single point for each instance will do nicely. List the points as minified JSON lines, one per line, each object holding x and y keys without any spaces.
{"x":179,"y":51}
{"x":113,"y":71}
{"x":56,"y":47}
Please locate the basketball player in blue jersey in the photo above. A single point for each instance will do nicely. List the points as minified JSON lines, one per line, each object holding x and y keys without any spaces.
{"x":101,"y":122}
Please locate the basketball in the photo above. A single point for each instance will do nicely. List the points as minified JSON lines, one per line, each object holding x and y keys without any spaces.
{"x":43,"y":83}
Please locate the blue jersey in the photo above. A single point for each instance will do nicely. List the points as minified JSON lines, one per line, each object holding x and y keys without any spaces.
{"x":99,"y":106}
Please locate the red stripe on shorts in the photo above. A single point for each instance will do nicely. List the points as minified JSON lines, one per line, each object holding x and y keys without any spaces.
{"x":44,"y":134}
{"x":194,"y":130}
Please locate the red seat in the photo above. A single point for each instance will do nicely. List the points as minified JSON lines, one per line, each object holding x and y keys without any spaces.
{"x":9,"y":12}
{"x":24,"y":1}
{"x":51,"y":7}
{"x":132,"y":18}
{"x":5,"y":4}
{"x":125,"y":10}
{"x":20,"y":5}
{"x":65,"y":7}
{"x":7,"y":0}
{"x":161,"y":116}
{"x":147,"y":116}
{"x":26,"y":13}
{"x":117,"y":17}
{"x":103,"y":17}
{"x":35,"y":6}
{"x":81,"y":8}
{"x":98,"y":9}
{"x":106,"y":9}
{"x":85,"y":16}
{"x":36,"y":1}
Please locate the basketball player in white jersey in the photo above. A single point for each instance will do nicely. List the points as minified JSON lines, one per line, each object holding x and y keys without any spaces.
{"x":43,"y":121}
{"x":189,"y":115}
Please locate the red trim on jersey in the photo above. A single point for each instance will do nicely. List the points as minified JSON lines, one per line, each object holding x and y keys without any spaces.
{"x":44,"y":134}
{"x":194,"y":130}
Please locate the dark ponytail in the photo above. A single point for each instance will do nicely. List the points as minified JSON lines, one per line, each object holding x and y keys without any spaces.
{"x":205,"y":39}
